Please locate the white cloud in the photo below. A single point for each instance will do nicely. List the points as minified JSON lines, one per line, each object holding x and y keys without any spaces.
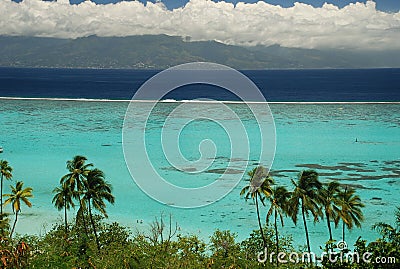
{"x":355,"y":26}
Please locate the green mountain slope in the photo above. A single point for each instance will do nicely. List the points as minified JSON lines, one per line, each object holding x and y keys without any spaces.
{"x":161,"y":51}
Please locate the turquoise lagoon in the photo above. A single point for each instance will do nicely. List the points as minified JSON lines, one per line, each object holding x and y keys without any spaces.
{"x":39,"y":136}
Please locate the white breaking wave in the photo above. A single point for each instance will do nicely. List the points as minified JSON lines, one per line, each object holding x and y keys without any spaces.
{"x":186,"y":101}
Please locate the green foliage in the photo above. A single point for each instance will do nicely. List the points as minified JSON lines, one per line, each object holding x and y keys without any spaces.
{"x":56,"y":250}
{"x":120,"y":249}
{"x":253,"y":245}
{"x":13,"y":255}
{"x":225,"y":250}
{"x":387,"y":247}
{"x":382,"y":253}
{"x":161,"y":51}
{"x":4,"y":224}
{"x":90,"y":242}
{"x":191,"y":251}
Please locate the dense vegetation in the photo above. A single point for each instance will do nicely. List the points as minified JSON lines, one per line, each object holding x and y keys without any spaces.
{"x":162,"y":51}
{"x":91,"y":242}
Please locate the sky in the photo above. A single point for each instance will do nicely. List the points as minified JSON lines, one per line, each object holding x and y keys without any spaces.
{"x":338,"y":24}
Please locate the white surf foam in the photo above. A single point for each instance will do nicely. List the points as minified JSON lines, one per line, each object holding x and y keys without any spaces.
{"x":193,"y":101}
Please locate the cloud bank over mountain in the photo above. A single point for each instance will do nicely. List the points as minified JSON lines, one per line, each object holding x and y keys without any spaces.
{"x":355,"y":26}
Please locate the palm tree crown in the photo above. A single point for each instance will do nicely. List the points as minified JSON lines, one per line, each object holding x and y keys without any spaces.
{"x":259,"y":184}
{"x":278,"y":207}
{"x":259,"y":188}
{"x":6,"y":172}
{"x":63,"y":199}
{"x":78,"y":169}
{"x":305,"y":195}
{"x":279,"y":202}
{"x":328,"y":197}
{"x":15,"y":197}
{"x":350,"y":209}
{"x":5,"y":169}
{"x":305,"y":199}
{"x":96,"y":190}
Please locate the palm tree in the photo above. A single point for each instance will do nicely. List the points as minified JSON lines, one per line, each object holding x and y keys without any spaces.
{"x":78,"y":170}
{"x":304,"y":198}
{"x":15,"y":197}
{"x":386,"y":230}
{"x":258,"y":188}
{"x":350,"y":210}
{"x":278,"y":199}
{"x":389,"y":232}
{"x":328,"y":198}
{"x":6,"y":172}
{"x":95,"y":191}
{"x":63,"y":200}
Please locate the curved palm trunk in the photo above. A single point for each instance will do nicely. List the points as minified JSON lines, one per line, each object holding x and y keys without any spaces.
{"x":94,"y":228}
{"x":15,"y":222}
{"x":259,"y":223}
{"x":276,"y":237}
{"x":329,"y":225}
{"x":65,"y":216}
{"x":84,"y":220}
{"x":330,"y":230}
{"x":84,"y":223}
{"x":305,"y":227}
{"x":343,"y":231}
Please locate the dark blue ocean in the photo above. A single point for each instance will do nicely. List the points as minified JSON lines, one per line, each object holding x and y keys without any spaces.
{"x":327,"y":85}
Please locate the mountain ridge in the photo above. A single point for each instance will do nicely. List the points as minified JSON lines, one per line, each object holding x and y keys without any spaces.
{"x":162,"y":51}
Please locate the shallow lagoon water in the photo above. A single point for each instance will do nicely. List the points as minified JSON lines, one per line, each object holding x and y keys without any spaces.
{"x":39,"y":136}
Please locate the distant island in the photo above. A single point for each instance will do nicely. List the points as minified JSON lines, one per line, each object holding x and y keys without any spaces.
{"x":162,"y":51}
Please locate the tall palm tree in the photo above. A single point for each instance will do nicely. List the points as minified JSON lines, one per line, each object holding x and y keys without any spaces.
{"x":63,"y":200}
{"x":6,"y":172}
{"x":258,"y":188}
{"x":15,"y":197}
{"x":78,"y":170}
{"x":350,"y":210}
{"x":328,"y":198}
{"x":96,"y":191}
{"x":279,"y":200}
{"x":304,"y":198}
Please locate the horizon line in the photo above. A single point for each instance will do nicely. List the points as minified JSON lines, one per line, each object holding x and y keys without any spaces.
{"x":192,"y":101}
